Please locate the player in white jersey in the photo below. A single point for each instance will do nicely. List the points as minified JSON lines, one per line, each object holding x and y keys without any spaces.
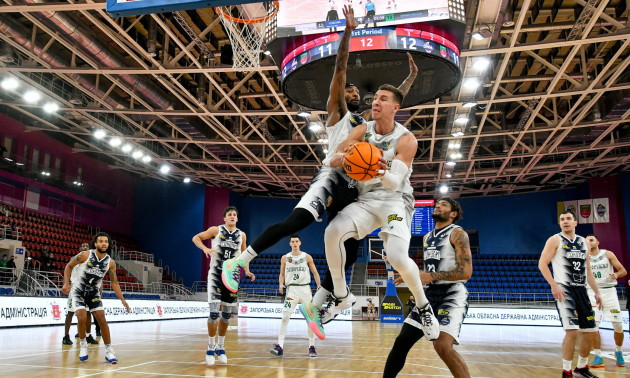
{"x":94,"y":264}
{"x":447,"y":266}
{"x":70,"y":310}
{"x":603,"y":265}
{"x":385,"y":201}
{"x":296,"y":279}
{"x":329,"y":190}
{"x":568,"y":255}
{"x":227,"y":242}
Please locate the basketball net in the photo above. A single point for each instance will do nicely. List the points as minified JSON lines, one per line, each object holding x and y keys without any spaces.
{"x":246,"y":32}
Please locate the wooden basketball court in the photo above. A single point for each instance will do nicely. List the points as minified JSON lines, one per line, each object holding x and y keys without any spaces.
{"x":352,"y":349}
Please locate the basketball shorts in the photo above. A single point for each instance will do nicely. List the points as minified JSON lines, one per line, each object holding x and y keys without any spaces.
{"x":218,"y":293}
{"x":575,"y":310}
{"x":297,"y":294}
{"x":328,"y":191}
{"x":69,"y":307}
{"x":87,"y":299}
{"x":391,"y":215}
{"x":611,"y":310}
{"x":450,"y":306}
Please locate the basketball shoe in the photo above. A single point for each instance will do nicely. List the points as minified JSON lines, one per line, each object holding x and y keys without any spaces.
{"x":210,"y":357}
{"x":83,"y":352}
{"x":619,"y":358}
{"x":109,"y":355}
{"x":597,"y":362}
{"x":567,"y":374}
{"x":277,"y":350}
{"x":428,"y":322}
{"x":90,"y":339}
{"x":66,"y":340}
{"x":221,"y":356}
{"x":340,"y":304}
{"x":231,"y":273}
{"x":312,"y":352}
{"x":313,"y":316}
{"x":583,"y":373}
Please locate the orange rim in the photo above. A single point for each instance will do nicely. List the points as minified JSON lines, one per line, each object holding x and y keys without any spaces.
{"x":220,"y":12}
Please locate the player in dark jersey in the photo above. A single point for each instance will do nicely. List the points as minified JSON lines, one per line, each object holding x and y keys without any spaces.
{"x":227,"y":242}
{"x":447,"y":266}
{"x":85,"y":290}
{"x":569,"y":257}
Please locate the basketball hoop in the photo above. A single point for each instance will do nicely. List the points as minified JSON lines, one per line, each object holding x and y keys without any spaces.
{"x":246,"y":32}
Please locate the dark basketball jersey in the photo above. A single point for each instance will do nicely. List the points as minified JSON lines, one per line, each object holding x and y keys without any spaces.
{"x":439,"y":254}
{"x":228,"y":245}
{"x":569,"y":262}
{"x":89,"y":274}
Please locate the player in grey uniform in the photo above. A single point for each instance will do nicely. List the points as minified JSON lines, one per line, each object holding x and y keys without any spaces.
{"x":385,"y":201}
{"x":568,"y":255}
{"x":85,"y":291}
{"x":447,"y":266}
{"x":227,"y":242}
{"x":329,"y":190}
{"x":603,"y":265}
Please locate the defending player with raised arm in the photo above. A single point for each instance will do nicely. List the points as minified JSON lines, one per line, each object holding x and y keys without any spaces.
{"x":386,"y":202}
{"x":227,"y":242}
{"x":294,"y":276}
{"x":85,"y":292}
{"x":603,"y":265}
{"x":447,"y":266}
{"x":568,"y":255}
{"x":329,"y":190}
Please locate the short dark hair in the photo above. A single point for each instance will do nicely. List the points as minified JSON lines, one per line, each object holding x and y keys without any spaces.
{"x":455,"y":206}
{"x":228,"y":209}
{"x":567,"y":212}
{"x":398,"y":95}
{"x":589,"y":235}
{"x":295,"y":236}
{"x":101,"y":234}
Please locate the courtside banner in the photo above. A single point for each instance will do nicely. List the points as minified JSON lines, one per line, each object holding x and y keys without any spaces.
{"x":30,"y":311}
{"x":520,"y":316}
{"x":274,"y":310}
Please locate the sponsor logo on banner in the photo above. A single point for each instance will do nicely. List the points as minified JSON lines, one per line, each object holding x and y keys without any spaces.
{"x":601,"y":210}
{"x":159,"y":310}
{"x":274,"y":310}
{"x":572,"y":209}
{"x":19,"y":251}
{"x":243,"y":309}
{"x":55,"y":311}
{"x":585,"y":211}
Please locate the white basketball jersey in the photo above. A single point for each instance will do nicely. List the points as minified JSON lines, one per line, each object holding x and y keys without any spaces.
{"x":296,"y":271}
{"x":387,"y":143}
{"x":339,"y":132}
{"x":569,"y":261}
{"x":602,"y":269}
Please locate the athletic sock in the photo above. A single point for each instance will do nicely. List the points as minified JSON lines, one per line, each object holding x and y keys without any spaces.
{"x":221,"y":340}
{"x":212,"y":340}
{"x":320,"y":296}
{"x":617,"y":348}
{"x":582,"y":362}
{"x":311,"y":340}
{"x":566,"y":365}
{"x":249,"y":254}
{"x":598,"y":352}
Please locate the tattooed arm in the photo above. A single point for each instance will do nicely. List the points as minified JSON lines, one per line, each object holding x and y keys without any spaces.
{"x":463,"y":259}
{"x":81,"y":257}
{"x":115,"y":285}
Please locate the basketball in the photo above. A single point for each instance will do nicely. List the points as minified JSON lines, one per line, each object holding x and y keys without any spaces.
{"x":361,"y":161}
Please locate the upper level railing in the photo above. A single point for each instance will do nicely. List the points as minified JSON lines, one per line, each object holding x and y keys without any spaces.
{"x":133,"y":256}
{"x":171,"y":291}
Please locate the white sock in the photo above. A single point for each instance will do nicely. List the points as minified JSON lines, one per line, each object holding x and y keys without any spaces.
{"x":566,"y":365}
{"x":221,"y":341}
{"x":582,"y":362}
{"x":598,"y":352}
{"x":83,"y":341}
{"x":338,"y":231}
{"x":249,"y":254}
{"x":320,"y":297}
{"x":311,"y":338}
{"x":617,"y":348}
{"x":212,"y":340}
{"x":283,"y":328}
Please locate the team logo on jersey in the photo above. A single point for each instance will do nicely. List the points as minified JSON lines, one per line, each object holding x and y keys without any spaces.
{"x":367,"y":136}
{"x":601,"y":210}
{"x":443,"y":312}
{"x":385,"y":145}
{"x":289,"y":259}
{"x":89,"y":264}
{"x":221,"y":236}
{"x":356,"y":120}
{"x":393,"y":217}
{"x":56,"y":311}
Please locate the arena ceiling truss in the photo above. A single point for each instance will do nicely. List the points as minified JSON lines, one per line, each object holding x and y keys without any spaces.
{"x":552,"y":111}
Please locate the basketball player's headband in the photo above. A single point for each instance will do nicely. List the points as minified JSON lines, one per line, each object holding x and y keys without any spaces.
{"x":348,"y":85}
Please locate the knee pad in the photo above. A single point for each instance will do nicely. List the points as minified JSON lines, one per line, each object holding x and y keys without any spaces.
{"x":213,"y":317}
{"x":618,"y":327}
{"x":225,"y":316}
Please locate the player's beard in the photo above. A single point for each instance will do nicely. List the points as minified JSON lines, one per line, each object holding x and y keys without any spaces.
{"x":439,"y":217}
{"x":353,"y":107}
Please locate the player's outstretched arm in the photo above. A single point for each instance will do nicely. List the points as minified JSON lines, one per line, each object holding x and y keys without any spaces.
{"x":79,"y":258}
{"x":311,"y":265}
{"x":356,"y":135}
{"x":621,"y":271}
{"x":336,"y":106}
{"x":283,"y":263}
{"x":210,"y":233}
{"x":413,"y":73}
{"x":115,"y":285}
